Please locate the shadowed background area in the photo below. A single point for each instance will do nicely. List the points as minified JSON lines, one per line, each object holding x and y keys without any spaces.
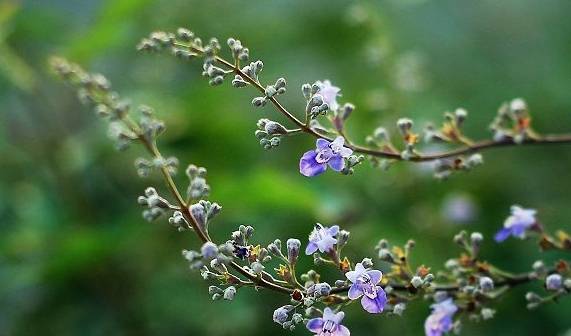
{"x":76,"y":257}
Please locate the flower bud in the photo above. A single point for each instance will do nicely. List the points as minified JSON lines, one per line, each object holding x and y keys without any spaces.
{"x":322,"y":289}
{"x":293,"y":246}
{"x":404,"y":125}
{"x":567,"y":284}
{"x":487,"y":313}
{"x":386,"y":255}
{"x":416,"y":281}
{"x":554,"y":282}
{"x":486,"y":284}
{"x":476,"y":238}
{"x":399,"y":308}
{"x":281,"y":314}
{"x":209,"y":250}
{"x":229,"y":293}
{"x":367,"y":262}
{"x":532,"y":297}
{"x":539,"y":266}
{"x":257,"y":267}
{"x":342,"y":238}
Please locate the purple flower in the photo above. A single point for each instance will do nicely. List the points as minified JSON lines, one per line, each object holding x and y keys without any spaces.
{"x":516,"y":225}
{"x":440,"y":321}
{"x":322,"y":239}
{"x":365,"y":284}
{"x":328,"y":325}
{"x":329,"y":94}
{"x":314,"y":162}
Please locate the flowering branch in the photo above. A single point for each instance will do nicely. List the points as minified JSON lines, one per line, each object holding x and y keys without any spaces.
{"x":512,"y":125}
{"x":464,"y":288}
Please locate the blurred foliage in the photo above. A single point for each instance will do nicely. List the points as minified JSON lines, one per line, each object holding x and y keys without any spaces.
{"x":75,"y":254}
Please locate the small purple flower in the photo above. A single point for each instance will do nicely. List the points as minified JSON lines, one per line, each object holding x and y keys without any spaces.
{"x":516,"y":225}
{"x":329,"y":94}
{"x":440,"y":320}
{"x":314,"y":162}
{"x":365,"y":284}
{"x":329,"y":324}
{"x":322,"y":239}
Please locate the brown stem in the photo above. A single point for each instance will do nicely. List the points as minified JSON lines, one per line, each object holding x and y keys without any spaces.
{"x":193,"y":224}
{"x":511,"y":281}
{"x":475,"y":147}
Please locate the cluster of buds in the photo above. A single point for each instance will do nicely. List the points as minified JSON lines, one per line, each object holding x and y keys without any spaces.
{"x":157,"y":41}
{"x":213,"y":72}
{"x":557,"y":283}
{"x":145,"y":167}
{"x":95,"y":90}
{"x":269,"y":133}
{"x":203,"y":212}
{"x":156,"y":205}
{"x":151,"y":127}
{"x":239,"y":52}
{"x":341,"y":115}
{"x":443,"y":168}
{"x":211,"y":260}
{"x":316,"y":104}
{"x":197,"y":187}
{"x":288,"y":320}
{"x":270,"y":92}
{"x":218,"y":293}
{"x":513,"y":122}
{"x":451,"y":129}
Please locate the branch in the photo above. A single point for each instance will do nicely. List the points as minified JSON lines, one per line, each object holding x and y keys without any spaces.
{"x":304,"y":127}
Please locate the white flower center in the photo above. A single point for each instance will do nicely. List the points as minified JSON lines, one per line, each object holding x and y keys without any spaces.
{"x":369,"y":289}
{"x":328,"y":328}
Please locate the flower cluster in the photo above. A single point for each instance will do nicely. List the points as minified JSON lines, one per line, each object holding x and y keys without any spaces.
{"x":464,"y":288}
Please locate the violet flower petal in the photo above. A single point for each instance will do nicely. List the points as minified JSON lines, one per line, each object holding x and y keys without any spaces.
{"x":311,"y":248}
{"x":376,"y":305}
{"x":308,"y":166}
{"x":321,"y":144}
{"x":315,"y":325}
{"x":336,"y":162}
{"x":375,"y":275}
{"x":502,"y":235}
{"x":355,"y":292}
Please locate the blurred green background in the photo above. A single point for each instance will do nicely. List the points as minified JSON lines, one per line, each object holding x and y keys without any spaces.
{"x":77,"y":258}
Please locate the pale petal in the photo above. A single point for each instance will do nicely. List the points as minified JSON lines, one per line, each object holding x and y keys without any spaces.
{"x":338,"y":142}
{"x":338,"y":317}
{"x":345,"y":152}
{"x":343,"y":331}
{"x":360,"y":268}
{"x":352,"y":276}
{"x":326,"y":244}
{"x":311,"y":248}
{"x":328,"y":314}
{"x":375,"y":275}
{"x":334,"y":230}
{"x":355,"y":292}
